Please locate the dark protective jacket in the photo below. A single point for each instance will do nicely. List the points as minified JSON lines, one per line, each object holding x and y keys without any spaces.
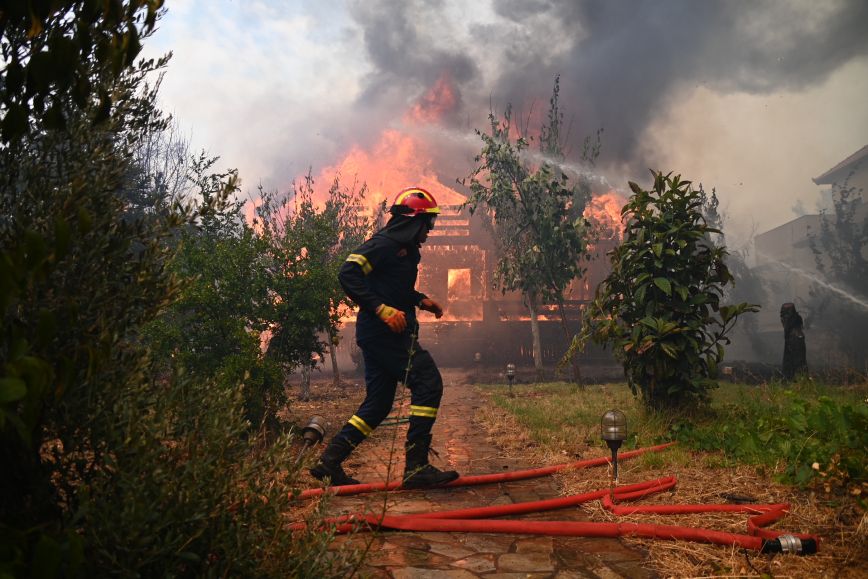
{"x":795,"y":353}
{"x":383,"y":270}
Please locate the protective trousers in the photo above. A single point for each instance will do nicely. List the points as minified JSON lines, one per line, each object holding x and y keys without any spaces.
{"x":389,"y":360}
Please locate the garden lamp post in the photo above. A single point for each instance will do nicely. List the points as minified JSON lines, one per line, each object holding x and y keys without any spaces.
{"x":613,"y":429}
{"x":312,"y":434}
{"x":510,"y":375}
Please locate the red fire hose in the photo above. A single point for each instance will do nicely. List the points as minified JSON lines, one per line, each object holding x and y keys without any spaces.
{"x":473,"y":519}
{"x":483,"y":478}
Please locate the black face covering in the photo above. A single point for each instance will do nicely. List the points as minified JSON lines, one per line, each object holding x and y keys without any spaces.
{"x":406,"y":230}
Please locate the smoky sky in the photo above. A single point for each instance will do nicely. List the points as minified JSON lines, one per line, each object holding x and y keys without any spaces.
{"x":620,"y":61}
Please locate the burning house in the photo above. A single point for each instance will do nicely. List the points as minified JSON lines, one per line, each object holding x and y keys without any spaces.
{"x":458,"y":259}
{"x":481,"y":324}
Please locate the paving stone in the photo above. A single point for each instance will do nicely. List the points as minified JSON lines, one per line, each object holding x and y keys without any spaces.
{"x":607,"y":573}
{"x":406,"y":558}
{"x":501,"y":500}
{"x":438,"y":537}
{"x":605,"y":546}
{"x":420,"y":573}
{"x":451,"y":550}
{"x":525,"y":562}
{"x":378,"y":573}
{"x":488,"y":543}
{"x":477,"y":563}
{"x":535,"y":545}
{"x":413,"y":506}
{"x":407,"y":540}
{"x":575,"y":574}
{"x":465,"y":448}
{"x":567,"y":556}
{"x":634,"y":569}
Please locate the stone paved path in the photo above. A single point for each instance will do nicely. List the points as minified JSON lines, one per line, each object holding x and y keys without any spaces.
{"x":463,"y":447}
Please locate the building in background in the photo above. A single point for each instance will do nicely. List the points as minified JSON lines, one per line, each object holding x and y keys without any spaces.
{"x":787,"y":262}
{"x":457,"y":270}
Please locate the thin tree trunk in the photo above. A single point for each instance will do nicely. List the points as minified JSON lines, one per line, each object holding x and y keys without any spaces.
{"x":574,"y":359}
{"x":333,"y":350}
{"x":305,"y":382}
{"x":534,"y":329}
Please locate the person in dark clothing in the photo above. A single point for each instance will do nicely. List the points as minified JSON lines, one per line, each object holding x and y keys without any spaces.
{"x":380,"y":277}
{"x":795,"y":354}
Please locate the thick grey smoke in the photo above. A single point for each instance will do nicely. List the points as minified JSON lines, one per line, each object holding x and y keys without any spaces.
{"x":620,"y":61}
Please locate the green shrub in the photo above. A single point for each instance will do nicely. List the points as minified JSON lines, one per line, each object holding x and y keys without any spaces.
{"x":660,"y":306}
{"x":114,"y":464}
{"x":786,"y":430}
{"x":189,"y":491}
{"x":815,"y":437}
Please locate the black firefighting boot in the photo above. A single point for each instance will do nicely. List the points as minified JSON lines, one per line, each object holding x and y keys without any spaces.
{"x":329,"y":465}
{"x":419,"y":473}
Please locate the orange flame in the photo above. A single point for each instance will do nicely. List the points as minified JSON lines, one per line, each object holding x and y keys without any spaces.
{"x":604,"y":212}
{"x":397,"y":159}
{"x":395,"y":162}
{"x":458,"y":284}
{"x":440,"y":100}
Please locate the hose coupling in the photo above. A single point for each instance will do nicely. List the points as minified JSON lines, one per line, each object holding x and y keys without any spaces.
{"x":790,"y":544}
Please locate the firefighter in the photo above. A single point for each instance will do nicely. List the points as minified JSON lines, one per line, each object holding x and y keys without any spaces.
{"x":795,"y":352}
{"x":380,"y":277}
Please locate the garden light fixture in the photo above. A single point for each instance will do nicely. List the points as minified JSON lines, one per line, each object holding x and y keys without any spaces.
{"x":613,"y":429}
{"x":312,"y":434}
{"x":510,"y":375}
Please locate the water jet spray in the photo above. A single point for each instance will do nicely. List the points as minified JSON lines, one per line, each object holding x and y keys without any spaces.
{"x":807,"y":275}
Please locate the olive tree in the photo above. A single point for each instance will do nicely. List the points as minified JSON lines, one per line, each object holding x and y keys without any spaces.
{"x":535,"y":213}
{"x":660,"y":308}
{"x":308,"y":241}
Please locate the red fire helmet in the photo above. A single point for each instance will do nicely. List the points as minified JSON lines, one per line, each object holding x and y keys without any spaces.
{"x":414,"y":201}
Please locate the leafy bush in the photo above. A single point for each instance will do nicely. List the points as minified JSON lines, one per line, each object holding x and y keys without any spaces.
{"x":308,"y":239}
{"x":114,"y":464}
{"x":660,"y":306}
{"x":189,"y":491}
{"x":212,"y":329}
{"x":817,"y":438}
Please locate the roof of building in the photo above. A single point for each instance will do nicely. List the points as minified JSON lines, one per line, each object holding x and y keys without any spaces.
{"x":838,"y":172}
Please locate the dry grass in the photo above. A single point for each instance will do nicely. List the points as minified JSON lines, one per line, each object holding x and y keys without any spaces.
{"x":839,"y":521}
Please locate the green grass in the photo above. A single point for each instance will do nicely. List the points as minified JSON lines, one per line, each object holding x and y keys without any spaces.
{"x":800,"y":431}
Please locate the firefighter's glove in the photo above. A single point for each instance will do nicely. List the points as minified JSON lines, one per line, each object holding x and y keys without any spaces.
{"x":430,"y":305}
{"x":395,"y":319}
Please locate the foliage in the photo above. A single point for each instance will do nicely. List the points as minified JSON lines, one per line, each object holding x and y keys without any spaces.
{"x":747,"y":285}
{"x":535,"y":214}
{"x":784,"y":430}
{"x":69,"y":56}
{"x":109,"y":467}
{"x":195,"y":492}
{"x":70,"y":258}
{"x":307,"y":244}
{"x":817,"y":438}
{"x":660,"y":306}
{"x":841,"y":252}
{"x":212,"y":329}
